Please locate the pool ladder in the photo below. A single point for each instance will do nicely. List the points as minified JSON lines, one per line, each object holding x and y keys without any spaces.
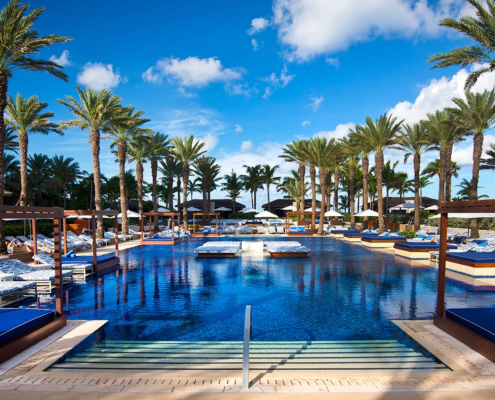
{"x":248,"y":333}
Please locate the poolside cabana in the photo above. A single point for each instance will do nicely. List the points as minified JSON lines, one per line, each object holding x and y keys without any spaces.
{"x":100,"y":262}
{"x":300,"y":231}
{"x":418,"y":250}
{"x":474,"y":327}
{"x":22,"y":328}
{"x":380,"y":242}
{"x":159,"y":240}
{"x":205,"y":232}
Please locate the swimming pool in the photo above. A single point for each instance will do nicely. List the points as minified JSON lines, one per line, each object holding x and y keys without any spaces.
{"x":341,"y":292}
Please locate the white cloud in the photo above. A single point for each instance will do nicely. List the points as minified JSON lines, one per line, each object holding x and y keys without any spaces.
{"x":63,"y":60}
{"x":332,"y":61}
{"x":182,"y":92}
{"x":192,"y":71}
{"x":98,"y":76}
{"x":240,"y":89}
{"x":255,"y":44}
{"x":317,"y":100}
{"x":279,"y":81}
{"x":312,"y":27}
{"x":438,"y":94}
{"x":198,"y":122}
{"x":306,"y":123}
{"x":268,"y":92}
{"x":247,"y":145}
{"x":257,"y":25}
{"x":210,"y":142}
{"x":463,"y":155}
{"x":238,"y":128}
{"x":339,"y":132}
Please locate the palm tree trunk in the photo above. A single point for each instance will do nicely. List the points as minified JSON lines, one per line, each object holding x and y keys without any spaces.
{"x":64,"y":194}
{"x":154,"y":171}
{"x":417,"y":165}
{"x":365,"y":167}
{"x":94,"y":138}
{"x":336,"y":189}
{"x":477,"y":151}
{"x":3,"y":105}
{"x":204,"y":189}
{"x":379,"y":173}
{"x":91,"y":197}
{"x":121,"y":154}
{"x":322,"y":174}
{"x":351,"y":193}
{"x":312,"y":176}
{"x":23,"y":149}
{"x":171,"y":192}
{"x":268,"y":193}
{"x":386,"y":201}
{"x":185,"y":178}
{"x":178,"y":192}
{"x":302,"y":176}
{"x":139,"y":178}
{"x":254,"y":197}
{"x":448,"y":173}
{"x":441,"y":177}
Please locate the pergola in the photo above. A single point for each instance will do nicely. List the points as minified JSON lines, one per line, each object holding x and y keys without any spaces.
{"x":297,"y":214}
{"x":460,"y":332}
{"x":203,"y":234}
{"x":159,"y":214}
{"x":102,"y":262}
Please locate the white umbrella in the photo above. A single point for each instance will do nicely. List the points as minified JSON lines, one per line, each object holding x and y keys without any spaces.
{"x":193,"y":209}
{"x":290,"y":208}
{"x":130,"y":214}
{"x":367,"y":213}
{"x":318,"y":209}
{"x":163,"y":209}
{"x":332,"y":213}
{"x":434,"y":208}
{"x":404,"y":206}
{"x":223,"y":209}
{"x":266,"y":214}
{"x":249,"y":210}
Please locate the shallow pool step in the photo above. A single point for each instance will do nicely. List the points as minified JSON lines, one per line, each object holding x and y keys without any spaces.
{"x":330,"y":355}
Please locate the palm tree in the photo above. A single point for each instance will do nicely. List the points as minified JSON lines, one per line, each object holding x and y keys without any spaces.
{"x":170,"y":167}
{"x":93,"y":112}
{"x":159,"y":147}
{"x":27,"y":117}
{"x":11,"y":171}
{"x":380,"y":135}
{"x":403,"y":185}
{"x":64,"y":171}
{"x":233,"y":185}
{"x":476,"y":115}
{"x":465,"y":192}
{"x":187,"y":150}
{"x":350,"y":149}
{"x":252,"y":181}
{"x":363,"y":152}
{"x":9,"y":138}
{"x":207,"y":171}
{"x":453,"y":171}
{"x":39,"y":170}
{"x":344,"y":202}
{"x":292,"y":186}
{"x":194,"y":186}
{"x":268,"y":177}
{"x":138,"y":152}
{"x":489,"y":162}
{"x":123,"y":134}
{"x":20,"y":47}
{"x":479,"y":29}
{"x":297,"y":152}
{"x":389,"y":178}
{"x":423,"y":182}
{"x":414,"y":142}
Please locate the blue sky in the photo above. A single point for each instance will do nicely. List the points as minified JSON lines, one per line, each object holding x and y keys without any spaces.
{"x":249,"y":77}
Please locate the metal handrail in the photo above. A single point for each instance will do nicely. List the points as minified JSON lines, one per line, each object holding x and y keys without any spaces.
{"x":248,"y":333}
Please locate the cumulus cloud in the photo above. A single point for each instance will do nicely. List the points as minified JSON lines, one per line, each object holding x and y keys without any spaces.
{"x":247,"y":145}
{"x":316,"y":102}
{"x":258,"y":25}
{"x":306,"y":123}
{"x":438,"y":94}
{"x":196,"y":121}
{"x":313,"y":27}
{"x":332,"y":61}
{"x":268,"y":92}
{"x":238,"y":128}
{"x":63,"y":60}
{"x":463,"y":155}
{"x":242,"y":89}
{"x":279,"y":81}
{"x":182,"y":92}
{"x":210,"y":142}
{"x":192,"y":71}
{"x":339,"y":132}
{"x":98,"y":76}
{"x":255,"y":44}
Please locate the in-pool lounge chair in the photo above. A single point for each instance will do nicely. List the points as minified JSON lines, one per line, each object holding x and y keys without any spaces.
{"x":418,"y":250}
{"x":80,"y":270}
{"x":383,"y":240}
{"x":355,"y":236}
{"x":219,"y":249}
{"x":13,"y":292}
{"x":299,"y":231}
{"x":340,"y":231}
{"x":286,"y":249}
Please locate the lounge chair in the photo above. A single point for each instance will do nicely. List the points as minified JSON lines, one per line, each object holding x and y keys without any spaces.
{"x":12,"y":292}
{"x":260,"y":230}
{"x":79,"y":269}
{"x":280,"y":229}
{"x":433,"y":230}
{"x":113,"y":235}
{"x":99,"y":242}
{"x":423,"y":231}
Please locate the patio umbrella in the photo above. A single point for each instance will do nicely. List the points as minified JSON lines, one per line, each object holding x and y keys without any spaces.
{"x":193,"y":209}
{"x":266,"y":214}
{"x":433,"y":208}
{"x":223,"y":209}
{"x":332,"y":213}
{"x":249,"y":210}
{"x":318,"y":209}
{"x":404,"y":206}
{"x":290,"y":208}
{"x":130,"y":214}
{"x":163,"y":209}
{"x":367,"y":213}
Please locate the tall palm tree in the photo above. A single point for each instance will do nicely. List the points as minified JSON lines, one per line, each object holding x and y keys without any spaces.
{"x":268,"y":178}
{"x":10,"y":143}
{"x":403,"y":185}
{"x":252,"y":181}
{"x":39,"y":170}
{"x":292,"y":186}
{"x":170,"y":167}
{"x":20,"y":46}
{"x":27,"y":116}
{"x":233,"y":185}
{"x":159,"y":147}
{"x":389,"y":178}
{"x":363,"y":152}
{"x":476,"y":115}
{"x":122,"y":133}
{"x":479,"y":29}
{"x":207,"y":171}
{"x":466,"y":188}
{"x":187,"y":150}
{"x":452,"y":172}
{"x":138,"y":152}
{"x":350,"y":149}
{"x":63,"y":171}
{"x":414,"y":142}
{"x":11,"y":172}
{"x":297,"y":152}
{"x":93,"y":112}
{"x":423,"y":182}
{"x":194,"y":186}
{"x":379,"y":136}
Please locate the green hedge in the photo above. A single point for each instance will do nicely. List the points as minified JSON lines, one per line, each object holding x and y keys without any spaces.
{"x":17,"y":228}
{"x":242,"y":215}
{"x":462,"y":223}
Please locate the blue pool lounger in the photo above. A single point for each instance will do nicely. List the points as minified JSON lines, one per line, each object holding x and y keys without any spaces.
{"x":299,"y":231}
{"x":381,"y":241}
{"x":355,"y":236}
{"x":418,"y":250}
{"x":474,"y":264}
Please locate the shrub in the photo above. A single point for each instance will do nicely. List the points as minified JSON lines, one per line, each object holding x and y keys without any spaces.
{"x":398,"y":218}
{"x":408,"y":234}
{"x":17,"y":228}
{"x":242,"y":215}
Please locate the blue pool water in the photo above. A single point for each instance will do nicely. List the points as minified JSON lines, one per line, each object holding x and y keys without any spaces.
{"x":341,"y":292}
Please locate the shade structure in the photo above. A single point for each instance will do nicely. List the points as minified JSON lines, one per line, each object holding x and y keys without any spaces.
{"x":266,"y":214}
{"x":130,"y":214}
{"x":290,"y":208}
{"x":332,"y":213}
{"x":223,"y":209}
{"x":317,"y":209}
{"x":163,"y":209}
{"x":434,"y":208}
{"x":193,"y":209}
{"x":467,"y":215}
{"x":405,"y":206}
{"x":249,"y":210}
{"x":367,"y":213}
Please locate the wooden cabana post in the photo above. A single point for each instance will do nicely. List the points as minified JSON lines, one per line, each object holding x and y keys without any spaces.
{"x":35,"y":239}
